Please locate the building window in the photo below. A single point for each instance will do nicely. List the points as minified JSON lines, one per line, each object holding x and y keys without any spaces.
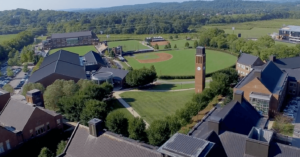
{"x":1,"y":148}
{"x":7,"y":145}
{"x":261,"y":105}
{"x":58,"y":121}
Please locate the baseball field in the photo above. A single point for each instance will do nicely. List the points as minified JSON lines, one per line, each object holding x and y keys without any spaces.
{"x":180,"y":62}
{"x":128,"y":45}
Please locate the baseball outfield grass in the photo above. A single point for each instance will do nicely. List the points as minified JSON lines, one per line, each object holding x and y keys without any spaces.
{"x":81,"y":50}
{"x":129,"y":45}
{"x":146,"y":56}
{"x":157,"y":105}
{"x":180,"y":44}
{"x":183,"y":62}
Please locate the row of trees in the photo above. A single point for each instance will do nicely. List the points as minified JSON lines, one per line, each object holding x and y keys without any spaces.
{"x":263,"y":47}
{"x":144,"y":19}
{"x":45,"y":152}
{"x":140,"y":77}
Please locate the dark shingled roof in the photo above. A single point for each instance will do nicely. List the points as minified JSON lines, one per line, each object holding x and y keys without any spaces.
{"x":288,"y":63}
{"x":271,"y":76}
{"x":106,"y":145}
{"x":16,"y":114}
{"x":247,"y":59}
{"x":94,"y":57}
{"x":233,"y":143}
{"x":117,"y":73}
{"x":61,"y":55}
{"x":61,"y":62}
{"x":71,"y":35}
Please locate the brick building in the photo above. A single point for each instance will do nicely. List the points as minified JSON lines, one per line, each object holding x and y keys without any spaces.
{"x":265,"y":88}
{"x":4,"y":97}
{"x":71,"y":39}
{"x":21,"y":121}
{"x":246,"y":62}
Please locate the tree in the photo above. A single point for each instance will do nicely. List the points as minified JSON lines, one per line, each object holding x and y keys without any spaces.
{"x":9,"y":72}
{"x":140,"y":77}
{"x":196,"y":44}
{"x":117,"y":123}
{"x":38,"y":64}
{"x":187,"y":45}
{"x":158,"y":132}
{"x":93,"y":109}
{"x":45,"y":152}
{"x":156,"y":47}
{"x":0,"y":73}
{"x":166,"y":47}
{"x":171,"y":37}
{"x":8,"y":88}
{"x":176,"y":36}
{"x":30,"y":86}
{"x":25,"y":68}
{"x":174,"y":124}
{"x":136,"y":129}
{"x":169,"y":45}
{"x":175,"y":46}
{"x":60,"y":147}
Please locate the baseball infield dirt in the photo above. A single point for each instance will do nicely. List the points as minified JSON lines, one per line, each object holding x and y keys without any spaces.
{"x":162,"y":57}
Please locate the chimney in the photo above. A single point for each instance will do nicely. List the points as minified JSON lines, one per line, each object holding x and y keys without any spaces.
{"x":214,"y":124}
{"x":258,"y":142}
{"x":200,"y":50}
{"x":272,"y":58}
{"x":238,"y":96}
{"x":35,"y":96}
{"x":257,"y":73}
{"x":95,"y":127}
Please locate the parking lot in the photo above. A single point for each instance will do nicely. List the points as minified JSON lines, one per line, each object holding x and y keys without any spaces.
{"x":291,"y":110}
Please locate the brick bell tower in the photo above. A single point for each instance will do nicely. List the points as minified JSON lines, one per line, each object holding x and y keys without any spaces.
{"x":200,"y":69}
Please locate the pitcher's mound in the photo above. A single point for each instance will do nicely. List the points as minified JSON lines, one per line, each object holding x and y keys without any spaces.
{"x":161,"y":57}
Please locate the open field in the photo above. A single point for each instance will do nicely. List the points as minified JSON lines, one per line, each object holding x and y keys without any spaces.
{"x":255,"y":29}
{"x":157,"y":105}
{"x":7,"y":37}
{"x":129,"y":45}
{"x":176,"y":86}
{"x":81,"y":50}
{"x":183,"y":62}
{"x":284,"y":43}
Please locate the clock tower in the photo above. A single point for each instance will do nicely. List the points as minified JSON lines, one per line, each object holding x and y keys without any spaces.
{"x":200,"y":69}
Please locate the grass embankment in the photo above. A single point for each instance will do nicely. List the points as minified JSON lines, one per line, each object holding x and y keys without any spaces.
{"x":81,"y":50}
{"x":7,"y":37}
{"x":199,"y":116}
{"x":157,"y":105}
{"x":183,"y":62}
{"x":116,"y":106}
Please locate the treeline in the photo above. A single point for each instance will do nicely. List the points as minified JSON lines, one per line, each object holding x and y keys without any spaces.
{"x":146,"y":18}
{"x":10,"y":48}
{"x":263,"y":47}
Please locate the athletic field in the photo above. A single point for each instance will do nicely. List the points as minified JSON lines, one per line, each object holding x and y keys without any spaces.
{"x":157,"y":105}
{"x":129,"y":45}
{"x":182,"y":62}
{"x":81,"y":50}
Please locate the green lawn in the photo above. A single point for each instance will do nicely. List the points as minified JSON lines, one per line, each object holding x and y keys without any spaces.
{"x":7,"y":37}
{"x":179,"y":43}
{"x":157,"y":105}
{"x":284,"y":43}
{"x":255,"y":29}
{"x":81,"y":50}
{"x":146,"y":56}
{"x":183,"y":62}
{"x":116,"y":106}
{"x":129,"y":45}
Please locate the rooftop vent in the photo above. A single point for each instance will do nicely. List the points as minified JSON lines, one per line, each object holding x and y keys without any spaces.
{"x":238,"y":96}
{"x":95,"y":127}
{"x":258,"y":142}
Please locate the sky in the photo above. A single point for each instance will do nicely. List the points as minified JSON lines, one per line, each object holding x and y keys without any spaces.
{"x":70,"y":4}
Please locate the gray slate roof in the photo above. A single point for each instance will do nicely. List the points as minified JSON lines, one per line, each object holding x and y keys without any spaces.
{"x":288,"y":63}
{"x":106,"y":145}
{"x":233,"y":143}
{"x":71,"y":35}
{"x":61,"y":62}
{"x":184,"y":145}
{"x":247,"y":59}
{"x":94,"y":57}
{"x":61,"y":55}
{"x":16,"y":114}
{"x":271,"y":77}
{"x":117,"y":73}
